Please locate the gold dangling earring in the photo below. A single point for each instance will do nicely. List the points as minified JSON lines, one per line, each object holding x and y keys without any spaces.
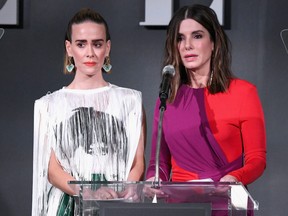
{"x":212,"y":71}
{"x":211,"y":77}
{"x":107,"y":66}
{"x":70,"y":65}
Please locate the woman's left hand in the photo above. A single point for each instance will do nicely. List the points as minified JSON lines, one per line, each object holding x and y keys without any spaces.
{"x":228,"y":178}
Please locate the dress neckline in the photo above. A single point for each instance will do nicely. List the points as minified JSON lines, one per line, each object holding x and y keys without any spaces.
{"x":100,"y":89}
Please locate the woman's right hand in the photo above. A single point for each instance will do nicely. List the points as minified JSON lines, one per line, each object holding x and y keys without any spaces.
{"x":103,"y":193}
{"x":150,"y":190}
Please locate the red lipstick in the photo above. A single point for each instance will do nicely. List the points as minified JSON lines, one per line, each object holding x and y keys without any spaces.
{"x":90,"y":64}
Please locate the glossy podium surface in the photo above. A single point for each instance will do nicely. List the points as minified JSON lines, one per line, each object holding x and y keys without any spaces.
{"x":169,"y":198}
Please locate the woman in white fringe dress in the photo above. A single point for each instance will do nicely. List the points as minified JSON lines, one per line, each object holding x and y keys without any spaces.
{"x":88,"y":130}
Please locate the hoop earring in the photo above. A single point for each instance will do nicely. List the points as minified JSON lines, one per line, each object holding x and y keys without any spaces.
{"x":70,"y":65}
{"x":107,"y":66}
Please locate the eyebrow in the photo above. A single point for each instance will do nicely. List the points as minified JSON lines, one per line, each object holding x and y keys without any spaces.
{"x":96,"y":40}
{"x":194,"y":32}
{"x":198,"y":31}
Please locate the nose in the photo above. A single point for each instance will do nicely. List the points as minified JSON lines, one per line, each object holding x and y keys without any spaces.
{"x":188,"y":44}
{"x":90,"y":52}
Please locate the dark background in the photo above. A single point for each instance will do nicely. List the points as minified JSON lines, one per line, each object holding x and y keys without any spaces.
{"x":31,"y":65}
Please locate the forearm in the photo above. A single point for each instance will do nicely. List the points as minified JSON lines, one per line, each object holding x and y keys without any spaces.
{"x":137,"y":172}
{"x":250,"y":172}
{"x":60,"y":180}
{"x":58,"y":177}
{"x":164,"y":171}
{"x":164,"y":154}
{"x":138,"y":166}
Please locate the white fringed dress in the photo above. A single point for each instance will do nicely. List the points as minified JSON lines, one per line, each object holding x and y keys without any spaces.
{"x":91,"y":132}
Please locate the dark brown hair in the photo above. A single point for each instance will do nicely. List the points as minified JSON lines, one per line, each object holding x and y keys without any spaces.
{"x":221,"y":56}
{"x":84,"y":15}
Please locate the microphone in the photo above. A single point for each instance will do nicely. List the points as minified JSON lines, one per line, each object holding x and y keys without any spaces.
{"x":167,"y":74}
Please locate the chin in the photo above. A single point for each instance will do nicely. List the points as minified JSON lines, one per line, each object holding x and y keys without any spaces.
{"x":190,"y":67}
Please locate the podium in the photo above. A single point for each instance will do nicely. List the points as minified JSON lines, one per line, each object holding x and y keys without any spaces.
{"x":176,"y":198}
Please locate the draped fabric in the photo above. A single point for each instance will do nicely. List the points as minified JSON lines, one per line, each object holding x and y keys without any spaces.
{"x":209,"y":136}
{"x":91,"y":132}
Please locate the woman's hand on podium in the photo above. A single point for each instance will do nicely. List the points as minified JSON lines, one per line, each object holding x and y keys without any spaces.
{"x":103,"y":193}
{"x":130,"y":193}
{"x":228,"y":178}
{"x":150,"y":190}
{"x":222,"y":188}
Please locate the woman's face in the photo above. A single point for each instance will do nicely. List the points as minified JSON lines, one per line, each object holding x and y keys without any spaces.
{"x":195,"y":46}
{"x":88,"y":47}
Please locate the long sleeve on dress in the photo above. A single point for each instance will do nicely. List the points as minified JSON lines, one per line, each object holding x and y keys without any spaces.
{"x":209,"y":136}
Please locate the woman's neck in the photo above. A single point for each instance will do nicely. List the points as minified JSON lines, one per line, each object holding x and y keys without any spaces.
{"x":87,"y":83}
{"x":199,"y":80}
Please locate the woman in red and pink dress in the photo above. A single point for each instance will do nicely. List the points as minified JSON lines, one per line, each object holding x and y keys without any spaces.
{"x":213,"y":127}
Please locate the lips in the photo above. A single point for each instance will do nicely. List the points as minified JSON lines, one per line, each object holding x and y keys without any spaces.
{"x":190,"y":56}
{"x":90,"y":64}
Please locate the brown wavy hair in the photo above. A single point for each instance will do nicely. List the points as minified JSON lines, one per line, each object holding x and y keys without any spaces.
{"x":221,"y":56}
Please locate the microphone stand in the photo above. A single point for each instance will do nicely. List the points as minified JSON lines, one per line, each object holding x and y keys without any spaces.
{"x":168,"y":73}
{"x":156,"y":183}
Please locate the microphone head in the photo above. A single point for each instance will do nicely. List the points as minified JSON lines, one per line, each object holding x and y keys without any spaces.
{"x":168,"y":70}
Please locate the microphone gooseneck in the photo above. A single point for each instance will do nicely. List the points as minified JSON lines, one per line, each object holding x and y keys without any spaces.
{"x":167,"y":75}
